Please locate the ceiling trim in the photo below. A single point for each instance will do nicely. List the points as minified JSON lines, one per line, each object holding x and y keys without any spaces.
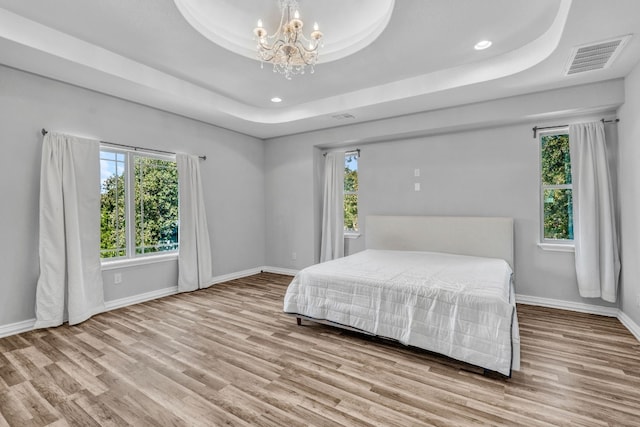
{"x":219,"y":22}
{"x":33,"y":47}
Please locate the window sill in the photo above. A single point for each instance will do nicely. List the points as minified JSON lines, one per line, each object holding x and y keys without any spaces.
{"x":351,"y":235}
{"x":557,"y":247}
{"x":133,"y":262}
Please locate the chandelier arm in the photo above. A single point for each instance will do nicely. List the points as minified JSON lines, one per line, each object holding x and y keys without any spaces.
{"x":302,"y":47}
{"x":263,"y":45}
{"x":302,"y":53}
{"x":276,"y":46}
{"x":305,"y":42}
{"x":304,"y":59}
{"x":268,"y":59}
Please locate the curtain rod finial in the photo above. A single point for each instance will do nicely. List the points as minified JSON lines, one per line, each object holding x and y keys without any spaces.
{"x":44,"y":132}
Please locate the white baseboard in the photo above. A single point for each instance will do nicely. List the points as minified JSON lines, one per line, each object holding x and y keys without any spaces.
{"x":17,"y":328}
{"x":136,"y":299}
{"x":236,"y":275}
{"x":568,"y":305}
{"x":148,"y":296}
{"x":278,"y":270}
{"x":632,"y":326}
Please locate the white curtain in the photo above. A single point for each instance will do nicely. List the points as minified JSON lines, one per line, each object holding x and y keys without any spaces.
{"x":332,"y":244}
{"x":596,"y":243}
{"x":69,"y":245}
{"x":194,"y":259}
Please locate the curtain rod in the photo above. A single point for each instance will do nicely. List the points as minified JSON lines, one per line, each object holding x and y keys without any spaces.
{"x":537,"y":128}
{"x":152,"y":150}
{"x":352,"y":152}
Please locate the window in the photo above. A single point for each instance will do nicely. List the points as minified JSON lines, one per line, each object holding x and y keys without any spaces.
{"x":351,"y":192}
{"x":556,"y":188}
{"x":139,"y":204}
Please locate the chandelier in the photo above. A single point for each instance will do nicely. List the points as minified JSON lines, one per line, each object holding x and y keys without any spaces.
{"x":288,"y":49}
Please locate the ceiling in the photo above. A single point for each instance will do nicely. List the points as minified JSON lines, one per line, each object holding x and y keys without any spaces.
{"x":415,"y":56}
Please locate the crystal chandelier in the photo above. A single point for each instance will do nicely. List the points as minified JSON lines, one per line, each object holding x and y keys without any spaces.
{"x":288,"y":49}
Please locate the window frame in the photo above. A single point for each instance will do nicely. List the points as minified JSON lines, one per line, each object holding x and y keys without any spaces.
{"x":131,"y":258}
{"x":560,"y":245}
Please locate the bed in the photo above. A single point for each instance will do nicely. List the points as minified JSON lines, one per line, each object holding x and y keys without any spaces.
{"x":443,"y":284}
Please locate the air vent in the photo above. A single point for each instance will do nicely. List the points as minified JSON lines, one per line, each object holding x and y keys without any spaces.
{"x":595,"y":56}
{"x":344,"y":116}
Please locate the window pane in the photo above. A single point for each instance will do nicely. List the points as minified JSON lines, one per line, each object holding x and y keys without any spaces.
{"x":156,"y":205}
{"x":113,"y":241}
{"x":351,"y":192}
{"x":351,"y":212}
{"x":558,"y":214}
{"x":556,"y":162}
{"x":351,"y":173}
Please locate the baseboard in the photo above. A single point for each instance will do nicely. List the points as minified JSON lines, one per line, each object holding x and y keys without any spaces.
{"x":628,"y":323}
{"x":568,"y":305}
{"x":136,"y":299}
{"x":17,"y":328}
{"x":236,"y":275}
{"x":278,"y":270}
{"x":634,"y":328}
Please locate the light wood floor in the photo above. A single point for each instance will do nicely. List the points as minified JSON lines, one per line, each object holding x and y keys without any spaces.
{"x":227,"y":355}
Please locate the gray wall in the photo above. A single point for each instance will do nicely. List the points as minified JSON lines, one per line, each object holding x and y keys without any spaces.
{"x":629,"y":195}
{"x":491,"y":170}
{"x":488,"y":172}
{"x":233,"y":177}
{"x":475,"y":160}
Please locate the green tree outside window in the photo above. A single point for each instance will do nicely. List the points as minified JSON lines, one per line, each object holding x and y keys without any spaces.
{"x":557,"y":187}
{"x":155,"y":204}
{"x":351,"y":193}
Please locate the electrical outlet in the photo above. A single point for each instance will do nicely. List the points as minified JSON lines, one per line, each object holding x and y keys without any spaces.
{"x":416,"y":172}
{"x":638,"y":300}
{"x":117,"y":278}
{"x":294,"y":256}
{"x":416,"y":186}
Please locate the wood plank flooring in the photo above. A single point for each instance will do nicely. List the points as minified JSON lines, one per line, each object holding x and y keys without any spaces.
{"x":227,"y":355}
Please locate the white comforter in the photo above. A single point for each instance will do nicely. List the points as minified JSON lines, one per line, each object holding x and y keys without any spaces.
{"x":459,"y":306}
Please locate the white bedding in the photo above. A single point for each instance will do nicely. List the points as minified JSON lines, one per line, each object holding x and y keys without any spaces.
{"x":459,"y":306}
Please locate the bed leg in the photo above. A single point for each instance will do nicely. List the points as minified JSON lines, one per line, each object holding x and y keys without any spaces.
{"x":299,"y":321}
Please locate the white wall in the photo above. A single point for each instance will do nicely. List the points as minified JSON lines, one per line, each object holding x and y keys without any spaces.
{"x":629,"y":195}
{"x":233,"y":176}
{"x":491,"y":170}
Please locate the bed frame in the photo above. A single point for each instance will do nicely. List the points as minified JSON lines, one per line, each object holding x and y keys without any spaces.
{"x":491,"y":237}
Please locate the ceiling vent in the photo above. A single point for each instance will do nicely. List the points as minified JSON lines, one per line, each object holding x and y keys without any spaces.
{"x":344,"y":116}
{"x":595,"y":56}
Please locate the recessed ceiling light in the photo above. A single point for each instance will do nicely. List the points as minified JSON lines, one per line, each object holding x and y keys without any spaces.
{"x":482,"y":45}
{"x":276,"y":99}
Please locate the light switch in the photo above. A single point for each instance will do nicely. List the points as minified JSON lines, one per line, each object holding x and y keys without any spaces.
{"x":416,"y":172}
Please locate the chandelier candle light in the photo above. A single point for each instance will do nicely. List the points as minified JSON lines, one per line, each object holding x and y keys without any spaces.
{"x":288,"y":49}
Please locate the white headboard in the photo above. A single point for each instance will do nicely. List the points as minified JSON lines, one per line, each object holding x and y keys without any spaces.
{"x":477,"y":236}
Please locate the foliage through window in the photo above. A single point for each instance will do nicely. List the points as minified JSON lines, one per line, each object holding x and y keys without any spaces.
{"x":351,"y":192}
{"x":139,"y":204}
{"x":556,"y":188}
